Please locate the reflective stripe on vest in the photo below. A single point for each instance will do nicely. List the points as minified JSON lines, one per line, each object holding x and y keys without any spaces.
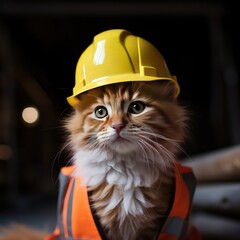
{"x":176,"y":224}
{"x":77,"y":220}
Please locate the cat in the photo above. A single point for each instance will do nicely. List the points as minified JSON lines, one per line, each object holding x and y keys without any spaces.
{"x":124,"y":139}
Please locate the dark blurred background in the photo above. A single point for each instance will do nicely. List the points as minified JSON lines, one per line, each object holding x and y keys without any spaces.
{"x":40,"y":43}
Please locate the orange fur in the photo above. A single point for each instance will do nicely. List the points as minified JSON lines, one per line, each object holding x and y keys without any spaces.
{"x":165,"y":118}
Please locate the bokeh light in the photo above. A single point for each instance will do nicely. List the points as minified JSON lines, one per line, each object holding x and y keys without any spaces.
{"x":30,"y":115}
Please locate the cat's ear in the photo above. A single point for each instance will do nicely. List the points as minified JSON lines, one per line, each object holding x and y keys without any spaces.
{"x":170,"y":91}
{"x":167,"y":88}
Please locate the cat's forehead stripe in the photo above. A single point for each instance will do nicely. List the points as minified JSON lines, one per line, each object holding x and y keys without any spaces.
{"x":116,"y":92}
{"x":135,"y":95}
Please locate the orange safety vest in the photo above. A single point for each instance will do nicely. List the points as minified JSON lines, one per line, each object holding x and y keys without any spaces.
{"x":77,"y":218}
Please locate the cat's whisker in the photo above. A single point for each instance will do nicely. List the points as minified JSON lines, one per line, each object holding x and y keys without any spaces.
{"x":151,"y":167}
{"x":104,"y":137}
{"x":66,"y":146}
{"x":99,"y":145}
{"x":174,"y":142}
{"x":149,"y":146}
{"x":150,"y":131}
{"x":92,"y":144}
{"x":164,"y":151}
{"x":139,"y":143}
{"x":142,"y":136}
{"x":158,"y":154}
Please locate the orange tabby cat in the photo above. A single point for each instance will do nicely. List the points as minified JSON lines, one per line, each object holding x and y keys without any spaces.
{"x":124,"y":137}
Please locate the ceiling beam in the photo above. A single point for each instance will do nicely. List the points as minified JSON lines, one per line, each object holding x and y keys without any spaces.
{"x":9,"y":8}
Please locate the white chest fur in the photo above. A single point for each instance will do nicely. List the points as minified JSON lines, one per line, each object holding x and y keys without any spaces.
{"x":128,"y":173}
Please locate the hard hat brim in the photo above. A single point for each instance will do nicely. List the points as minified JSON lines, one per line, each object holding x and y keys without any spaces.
{"x":103,"y":81}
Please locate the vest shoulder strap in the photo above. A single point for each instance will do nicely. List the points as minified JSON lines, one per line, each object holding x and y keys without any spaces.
{"x":67,"y":171}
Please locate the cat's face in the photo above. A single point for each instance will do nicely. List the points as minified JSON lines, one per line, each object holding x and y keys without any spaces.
{"x":128,"y":117}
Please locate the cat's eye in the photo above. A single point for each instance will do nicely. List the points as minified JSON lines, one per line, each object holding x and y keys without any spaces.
{"x":136,"y":107}
{"x":101,"y":112}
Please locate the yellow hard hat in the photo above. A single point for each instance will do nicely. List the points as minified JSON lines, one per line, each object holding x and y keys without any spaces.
{"x":118,"y":56}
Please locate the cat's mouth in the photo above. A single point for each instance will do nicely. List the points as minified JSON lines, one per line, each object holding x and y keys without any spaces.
{"x":120,"y":139}
{"x":122,"y":145}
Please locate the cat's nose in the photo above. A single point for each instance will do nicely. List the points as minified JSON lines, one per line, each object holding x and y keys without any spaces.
{"x":118,"y":126}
